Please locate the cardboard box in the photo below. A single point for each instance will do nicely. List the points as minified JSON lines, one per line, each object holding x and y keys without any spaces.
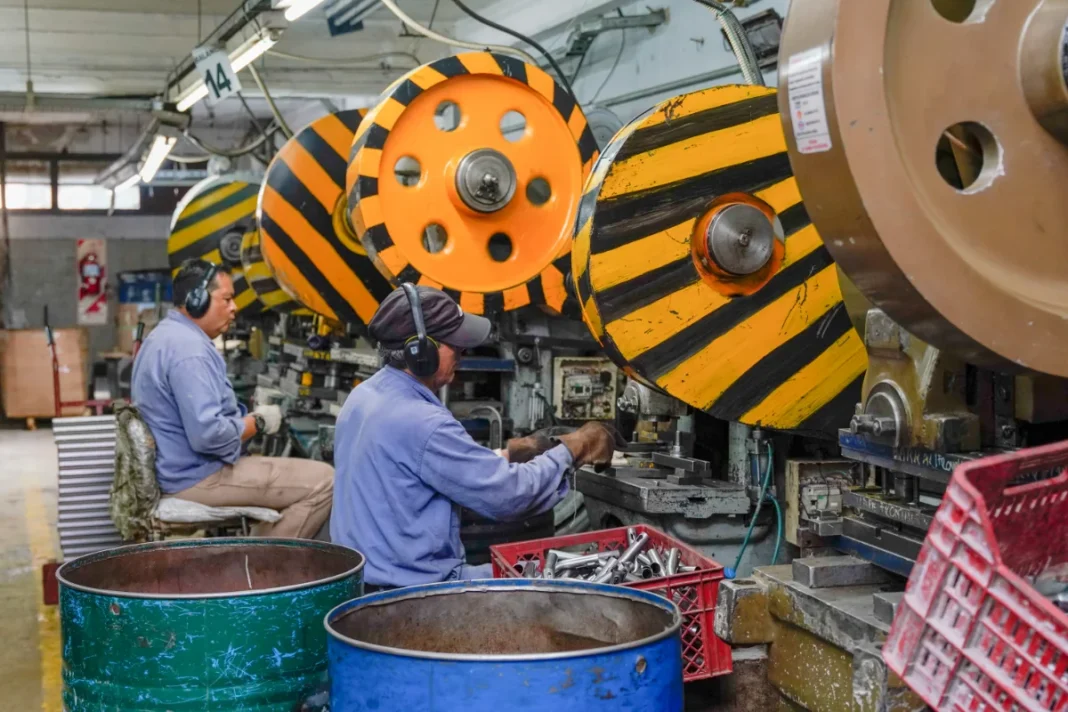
{"x":26,"y":384}
{"x":127,"y":318}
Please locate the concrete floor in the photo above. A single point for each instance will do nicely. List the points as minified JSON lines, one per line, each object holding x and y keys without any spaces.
{"x":29,"y":630}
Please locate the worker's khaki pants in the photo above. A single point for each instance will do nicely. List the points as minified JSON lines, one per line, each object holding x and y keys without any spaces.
{"x":302,"y":490}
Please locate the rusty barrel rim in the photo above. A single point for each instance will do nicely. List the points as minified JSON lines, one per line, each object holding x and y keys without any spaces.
{"x":96,"y":556}
{"x":490,"y":585}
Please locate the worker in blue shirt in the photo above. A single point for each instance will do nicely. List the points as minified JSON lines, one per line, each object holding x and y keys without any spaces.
{"x":405,"y":465}
{"x":181,"y":389}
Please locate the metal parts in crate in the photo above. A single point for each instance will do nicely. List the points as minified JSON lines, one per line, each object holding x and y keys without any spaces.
{"x":585,"y":388}
{"x":704,"y":655}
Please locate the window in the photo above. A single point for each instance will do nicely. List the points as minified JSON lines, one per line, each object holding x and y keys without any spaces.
{"x":77,"y":192}
{"x":29,"y":185}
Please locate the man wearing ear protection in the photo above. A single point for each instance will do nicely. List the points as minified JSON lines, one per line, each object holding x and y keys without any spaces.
{"x":405,"y":465}
{"x":181,"y":389}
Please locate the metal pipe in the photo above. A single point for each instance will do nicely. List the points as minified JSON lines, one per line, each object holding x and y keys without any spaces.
{"x":563,"y":555}
{"x":738,"y":40}
{"x":607,"y":572}
{"x":633,"y":549}
{"x":549,"y":570}
{"x":589,"y":560}
{"x":672,"y":87}
{"x":673,"y":561}
{"x":658,"y":563}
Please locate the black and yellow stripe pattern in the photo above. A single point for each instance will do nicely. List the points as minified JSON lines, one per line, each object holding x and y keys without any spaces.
{"x":546,"y":286}
{"x":305,"y":237}
{"x":785,"y":356}
{"x":259,"y":276}
{"x":216,"y":209}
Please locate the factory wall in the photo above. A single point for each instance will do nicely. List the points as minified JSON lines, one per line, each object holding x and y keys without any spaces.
{"x":43,"y":268}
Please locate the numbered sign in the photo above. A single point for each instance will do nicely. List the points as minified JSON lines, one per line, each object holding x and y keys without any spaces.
{"x":219,"y":77}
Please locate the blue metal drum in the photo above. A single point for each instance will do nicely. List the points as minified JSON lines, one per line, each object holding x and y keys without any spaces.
{"x":506,"y":645}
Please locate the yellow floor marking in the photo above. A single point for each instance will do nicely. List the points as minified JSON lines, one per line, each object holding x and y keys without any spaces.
{"x":43,"y":549}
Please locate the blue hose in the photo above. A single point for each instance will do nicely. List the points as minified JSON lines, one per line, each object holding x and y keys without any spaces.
{"x":730,"y":573}
{"x":778,"y":529}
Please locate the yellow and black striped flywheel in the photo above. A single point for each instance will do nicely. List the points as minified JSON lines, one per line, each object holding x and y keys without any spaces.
{"x":259,"y":276}
{"x":306,"y":237}
{"x":467,"y":176}
{"x":209,"y":223}
{"x":698,"y":268}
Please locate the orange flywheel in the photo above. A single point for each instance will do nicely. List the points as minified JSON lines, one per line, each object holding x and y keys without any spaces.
{"x":210,"y":222}
{"x":467,"y":176}
{"x":306,"y":237}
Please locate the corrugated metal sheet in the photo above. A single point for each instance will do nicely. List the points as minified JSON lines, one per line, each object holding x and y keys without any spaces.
{"x":86,"y":469}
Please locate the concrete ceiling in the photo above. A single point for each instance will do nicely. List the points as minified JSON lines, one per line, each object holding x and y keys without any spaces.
{"x":127,"y":47}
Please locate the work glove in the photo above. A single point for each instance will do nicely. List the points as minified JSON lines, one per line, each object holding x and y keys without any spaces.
{"x":272,"y":418}
{"x":593,"y":443}
{"x":526,"y":449}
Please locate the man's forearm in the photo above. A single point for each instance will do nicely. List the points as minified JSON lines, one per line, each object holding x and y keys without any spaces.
{"x":250,"y":428}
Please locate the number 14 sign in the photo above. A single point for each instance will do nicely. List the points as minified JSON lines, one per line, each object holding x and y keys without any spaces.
{"x":214,"y":68}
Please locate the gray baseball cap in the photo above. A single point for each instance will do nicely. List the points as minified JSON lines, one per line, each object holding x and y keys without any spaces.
{"x":393,"y":324}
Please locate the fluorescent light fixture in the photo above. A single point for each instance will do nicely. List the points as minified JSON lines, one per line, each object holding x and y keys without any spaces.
{"x":299,"y":8}
{"x":161,"y":148}
{"x":194,"y":94}
{"x":245,"y":54}
{"x":128,"y":183}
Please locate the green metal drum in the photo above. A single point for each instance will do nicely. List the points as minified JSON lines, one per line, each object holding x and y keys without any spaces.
{"x":204,"y":624}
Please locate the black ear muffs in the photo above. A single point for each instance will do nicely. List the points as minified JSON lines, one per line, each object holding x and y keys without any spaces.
{"x":199,"y":298}
{"x":420,"y":351}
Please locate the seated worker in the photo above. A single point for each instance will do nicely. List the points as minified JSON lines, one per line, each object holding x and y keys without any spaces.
{"x":181,"y":388}
{"x":405,"y":465}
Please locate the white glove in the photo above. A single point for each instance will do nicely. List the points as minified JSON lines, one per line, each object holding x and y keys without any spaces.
{"x":272,"y":418}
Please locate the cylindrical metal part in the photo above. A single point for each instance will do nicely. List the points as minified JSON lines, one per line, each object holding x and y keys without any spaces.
{"x":632,"y":550}
{"x":485,"y":180}
{"x":632,"y":534}
{"x":550,"y":564}
{"x":741,"y":239}
{"x":643,"y":559}
{"x":563,"y":555}
{"x":587,"y":560}
{"x":606,"y":573}
{"x":235,"y":624}
{"x":687,"y":569}
{"x":419,"y":648}
{"x":657,"y":561}
{"x":673,"y":561}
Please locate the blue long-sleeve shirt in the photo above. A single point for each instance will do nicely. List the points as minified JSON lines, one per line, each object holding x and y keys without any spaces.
{"x":403,"y":468}
{"x":181,"y":388}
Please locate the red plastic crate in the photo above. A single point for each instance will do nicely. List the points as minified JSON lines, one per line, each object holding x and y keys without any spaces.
{"x":703,"y":654}
{"x":971,"y":633}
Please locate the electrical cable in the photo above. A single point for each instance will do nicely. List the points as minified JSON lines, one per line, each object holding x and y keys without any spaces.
{"x":348,"y":62}
{"x":739,"y":41}
{"x":228,"y":153}
{"x":426,"y":32}
{"x":778,"y":529}
{"x":522,"y":38}
{"x":752,"y":523}
{"x":615,"y":65}
{"x":286,"y":131}
{"x":578,"y":67}
{"x":252,"y":115}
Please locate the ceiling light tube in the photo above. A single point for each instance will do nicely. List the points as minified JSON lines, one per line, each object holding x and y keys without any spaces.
{"x":299,"y":8}
{"x":161,"y":148}
{"x":195,"y":93}
{"x":246,"y":56}
{"x":128,"y":183}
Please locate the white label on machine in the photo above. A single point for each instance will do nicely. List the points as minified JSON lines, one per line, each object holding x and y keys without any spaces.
{"x":214,"y":68}
{"x":807,"y":109}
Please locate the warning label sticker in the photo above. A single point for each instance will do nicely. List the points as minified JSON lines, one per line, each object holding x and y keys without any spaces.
{"x":807,"y":111}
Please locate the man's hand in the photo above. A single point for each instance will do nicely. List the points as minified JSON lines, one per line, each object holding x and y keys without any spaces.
{"x":272,"y":418}
{"x":593,"y":443}
{"x":526,"y":449}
